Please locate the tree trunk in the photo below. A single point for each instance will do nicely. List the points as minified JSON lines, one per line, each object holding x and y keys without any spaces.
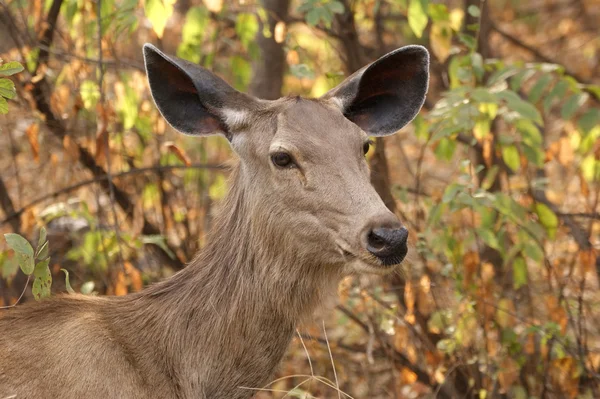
{"x":267,"y":80}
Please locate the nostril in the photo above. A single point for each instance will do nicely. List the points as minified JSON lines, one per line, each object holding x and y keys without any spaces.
{"x":376,"y":242}
{"x":388,"y":244}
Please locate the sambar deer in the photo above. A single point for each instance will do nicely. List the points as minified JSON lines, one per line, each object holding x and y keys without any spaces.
{"x":300,"y":215}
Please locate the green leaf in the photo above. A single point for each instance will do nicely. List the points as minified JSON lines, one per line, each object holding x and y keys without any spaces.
{"x":445,"y":149}
{"x":7,"y":89}
{"x":490,"y":177}
{"x":19,"y":244}
{"x":595,"y":90}
{"x":246,"y":27}
{"x":3,"y":106}
{"x":572,"y":104}
{"x":158,"y":12}
{"x":417,"y":16}
{"x":42,"y":239}
{"x":482,"y":128}
{"x":26,"y":263}
{"x":558,"y":91}
{"x":43,"y":251}
{"x":477,"y":64}
{"x":468,"y":41}
{"x":530,"y":132}
{"x":501,"y":74}
{"x":489,"y":238}
{"x":438,"y":12}
{"x":87,"y":288}
{"x":519,"y":272}
{"x":43,"y":280}
{"x":473,"y":10}
{"x":534,"y":154}
{"x":590,"y":168}
{"x":302,"y":71}
{"x":159,"y":241}
{"x":517,"y":80}
{"x":195,"y":24}
{"x":511,"y":157}
{"x":312,"y":17}
{"x":451,"y":192}
{"x":41,"y":268}
{"x":522,"y":107}
{"x":90,"y":94}
{"x":242,"y":72}
{"x":538,"y":88}
{"x":192,"y":34}
{"x":533,"y":251}
{"x":547,"y":218}
{"x":589,"y":120}
{"x":70,"y":289}
{"x":336,"y":7}
{"x":10,"y":68}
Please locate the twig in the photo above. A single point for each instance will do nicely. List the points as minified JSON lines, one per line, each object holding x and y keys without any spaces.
{"x":337,"y":383}
{"x":112,"y":63}
{"x":21,"y":296}
{"x":102,"y":178}
{"x":535,"y":52}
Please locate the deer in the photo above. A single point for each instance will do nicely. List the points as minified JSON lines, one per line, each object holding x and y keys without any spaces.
{"x":299,"y":216}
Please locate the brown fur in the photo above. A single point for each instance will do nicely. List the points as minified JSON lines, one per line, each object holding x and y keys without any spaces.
{"x":282,"y":240}
{"x":224,"y":322}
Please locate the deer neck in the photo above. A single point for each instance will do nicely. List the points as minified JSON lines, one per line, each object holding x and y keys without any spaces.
{"x":225,"y":321}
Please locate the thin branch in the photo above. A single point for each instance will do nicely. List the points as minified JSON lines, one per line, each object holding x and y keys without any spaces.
{"x":540,"y":56}
{"x":109,"y":63}
{"x":20,"y":296}
{"x":102,"y":178}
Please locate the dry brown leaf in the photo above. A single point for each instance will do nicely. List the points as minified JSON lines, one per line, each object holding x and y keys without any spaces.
{"x":71,"y":148}
{"x":178,"y":152}
{"x":120,"y":284}
{"x":292,"y":57}
{"x":401,"y":337}
{"x":471,"y":264}
{"x":587,"y":260}
{"x":135,"y":277}
{"x":409,"y":299}
{"x":32,"y":136}
{"x":101,"y":138}
{"x":487,"y":273}
{"x":584,"y":188}
{"x":488,"y":151}
{"x":564,"y":376}
{"x":507,"y":374}
{"x":407,"y":377}
{"x":530,"y":346}
{"x":565,"y":152}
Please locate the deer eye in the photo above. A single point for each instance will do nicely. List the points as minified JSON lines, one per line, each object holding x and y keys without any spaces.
{"x":366,"y":147}
{"x":282,"y":160}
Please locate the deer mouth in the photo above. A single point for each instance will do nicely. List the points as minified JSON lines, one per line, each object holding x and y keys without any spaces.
{"x":370,"y":261}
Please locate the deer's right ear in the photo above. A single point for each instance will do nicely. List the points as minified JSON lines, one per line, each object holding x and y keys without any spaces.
{"x":192,"y":99}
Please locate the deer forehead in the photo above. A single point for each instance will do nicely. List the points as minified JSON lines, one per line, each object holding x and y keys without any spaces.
{"x":314,"y":127}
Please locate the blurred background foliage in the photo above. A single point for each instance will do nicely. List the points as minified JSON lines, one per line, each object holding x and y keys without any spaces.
{"x":498,"y":178}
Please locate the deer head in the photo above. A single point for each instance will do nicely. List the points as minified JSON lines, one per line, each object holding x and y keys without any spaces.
{"x":302,"y":170}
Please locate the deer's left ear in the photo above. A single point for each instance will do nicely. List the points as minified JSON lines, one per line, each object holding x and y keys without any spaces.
{"x":384,"y":96}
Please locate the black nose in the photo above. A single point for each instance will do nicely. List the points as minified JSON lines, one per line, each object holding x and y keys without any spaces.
{"x":389,"y":245}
